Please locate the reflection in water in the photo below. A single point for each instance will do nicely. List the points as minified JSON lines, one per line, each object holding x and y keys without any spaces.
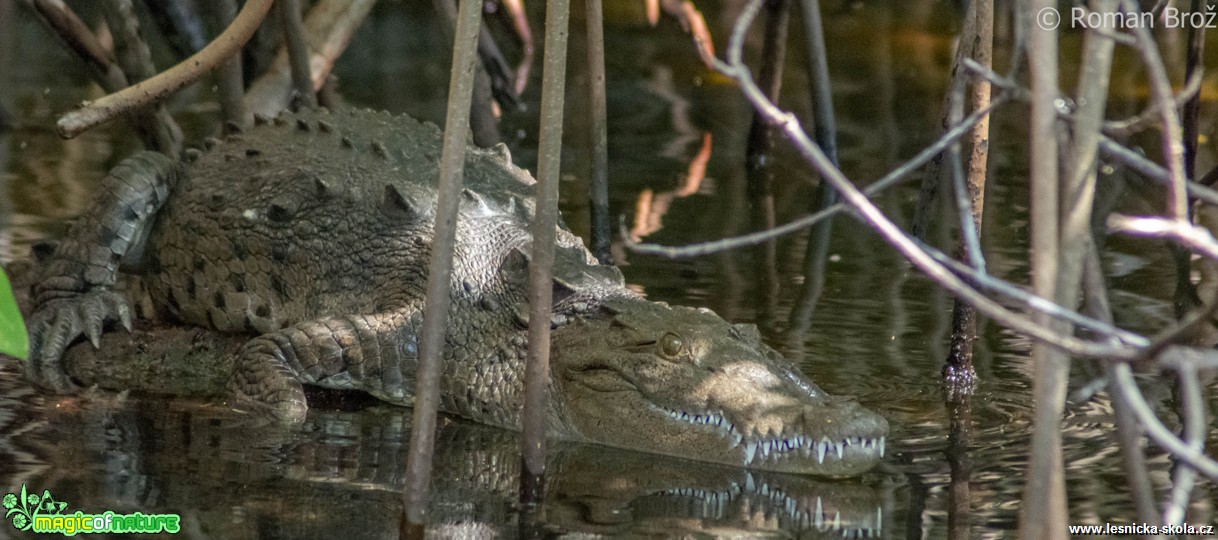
{"x":340,"y":474}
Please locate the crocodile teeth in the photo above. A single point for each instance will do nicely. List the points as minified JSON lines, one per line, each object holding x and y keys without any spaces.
{"x":750,"y":450}
{"x":820,"y":515}
{"x":821,"y":448}
{"x":881,"y":447}
{"x":840,"y":447}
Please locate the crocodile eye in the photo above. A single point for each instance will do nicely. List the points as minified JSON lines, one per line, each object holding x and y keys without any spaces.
{"x":671,"y":345}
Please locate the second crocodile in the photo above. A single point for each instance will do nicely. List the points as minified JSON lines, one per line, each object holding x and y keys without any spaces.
{"x":312,"y":234}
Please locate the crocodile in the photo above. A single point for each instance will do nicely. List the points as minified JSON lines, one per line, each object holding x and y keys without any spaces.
{"x":342,"y":473}
{"x":311,"y":233}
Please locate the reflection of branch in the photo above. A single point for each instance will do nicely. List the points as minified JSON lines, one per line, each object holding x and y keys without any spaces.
{"x":896,"y":175}
{"x":1130,"y":126}
{"x":650,"y":208}
{"x":175,"y":78}
{"x":1128,"y":390}
{"x":520,"y":24}
{"x":686,"y":13}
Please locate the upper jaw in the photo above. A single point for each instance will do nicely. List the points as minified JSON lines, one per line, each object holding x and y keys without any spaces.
{"x":846,"y":447}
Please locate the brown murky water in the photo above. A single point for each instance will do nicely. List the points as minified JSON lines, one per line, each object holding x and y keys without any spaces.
{"x":878,"y":333}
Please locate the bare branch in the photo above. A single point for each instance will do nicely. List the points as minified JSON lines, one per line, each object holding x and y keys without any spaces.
{"x":103,"y":110}
{"x":789,"y":125}
{"x":1188,"y":235}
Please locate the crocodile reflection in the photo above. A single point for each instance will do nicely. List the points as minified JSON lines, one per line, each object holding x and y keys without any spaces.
{"x":342,"y":473}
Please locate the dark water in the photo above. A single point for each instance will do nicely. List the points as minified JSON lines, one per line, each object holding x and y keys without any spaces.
{"x":878,"y":333}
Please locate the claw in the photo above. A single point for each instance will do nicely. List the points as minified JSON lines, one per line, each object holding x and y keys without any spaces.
{"x":56,"y":340}
{"x":55,"y":325}
{"x":94,"y":334}
{"x":124,"y":316}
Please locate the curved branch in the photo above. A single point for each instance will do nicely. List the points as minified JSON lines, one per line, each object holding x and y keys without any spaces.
{"x":875,"y":218}
{"x":98,"y":112}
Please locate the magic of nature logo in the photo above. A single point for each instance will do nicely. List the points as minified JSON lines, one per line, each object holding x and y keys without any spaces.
{"x":28,"y":511}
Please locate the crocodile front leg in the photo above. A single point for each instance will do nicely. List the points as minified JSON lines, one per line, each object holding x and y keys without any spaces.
{"x":75,"y":297}
{"x":374,"y":353}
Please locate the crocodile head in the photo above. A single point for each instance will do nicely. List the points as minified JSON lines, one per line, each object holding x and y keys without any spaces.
{"x":686,"y":383}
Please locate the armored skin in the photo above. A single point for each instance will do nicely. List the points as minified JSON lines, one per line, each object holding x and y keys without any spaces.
{"x":312,"y":234}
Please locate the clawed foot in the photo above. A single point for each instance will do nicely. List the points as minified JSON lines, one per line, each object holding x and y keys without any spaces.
{"x":59,"y":322}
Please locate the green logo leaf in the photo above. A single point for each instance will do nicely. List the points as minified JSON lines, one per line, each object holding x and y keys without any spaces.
{"x":19,"y":510}
{"x":14,"y":341}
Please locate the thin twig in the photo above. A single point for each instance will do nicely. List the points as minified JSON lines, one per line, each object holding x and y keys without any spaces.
{"x":1160,"y":90}
{"x":789,"y":125}
{"x":107,"y":108}
{"x":1185,"y":477}
{"x":1037,"y":303}
{"x":1193,"y":237}
{"x":895,"y":176}
{"x":1131,"y":126}
{"x":1153,"y":171}
{"x":598,"y":133}
{"x":298,"y":54}
{"x":1127,"y":389}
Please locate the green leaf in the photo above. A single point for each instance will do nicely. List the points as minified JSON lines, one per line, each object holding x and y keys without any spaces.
{"x":14,"y":341}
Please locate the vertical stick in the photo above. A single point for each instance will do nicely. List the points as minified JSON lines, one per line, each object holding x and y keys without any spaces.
{"x":156,"y":128}
{"x":598,"y":177}
{"x":298,"y":55}
{"x":435,"y":312}
{"x":229,"y":79}
{"x":537,"y":371}
{"x":824,"y":125}
{"x":959,"y":376}
{"x":1043,"y":514}
{"x":1076,"y":196}
{"x":1184,"y":477}
{"x":1186,"y":296}
{"x":960,"y":429}
{"x":1129,"y":433}
{"x":761,"y":141}
{"x":483,"y":124}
